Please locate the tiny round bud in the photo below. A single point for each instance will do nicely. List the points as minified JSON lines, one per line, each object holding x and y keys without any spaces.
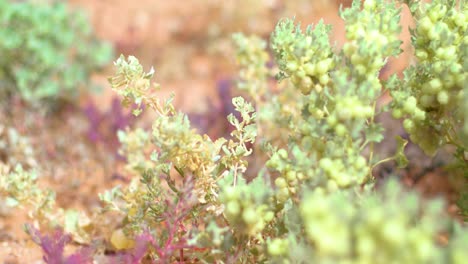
{"x":291,"y":175}
{"x":283,"y":153}
{"x":249,"y":216}
{"x":369,"y":4}
{"x":322,"y":67}
{"x":280,"y":182}
{"x":268,"y":216}
{"x":331,"y":120}
{"x":340,"y":130}
{"x":410,"y":105}
{"x":396,"y":113}
{"x":230,"y":193}
{"x":326,"y":164}
{"x":425,"y":24}
{"x":360,"y":162}
{"x":310,"y":69}
{"x":419,"y":114}
{"x":421,"y":55}
{"x":292,"y":66}
{"x":324,"y":79}
{"x":232,"y":208}
{"x":443,"y":97}
{"x":408,"y":125}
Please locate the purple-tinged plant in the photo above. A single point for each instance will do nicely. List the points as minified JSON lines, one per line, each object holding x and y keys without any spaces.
{"x":214,"y":122}
{"x":103,"y":126}
{"x":177,"y":212}
{"x":94,"y":119}
{"x":164,"y":230}
{"x":53,"y":247}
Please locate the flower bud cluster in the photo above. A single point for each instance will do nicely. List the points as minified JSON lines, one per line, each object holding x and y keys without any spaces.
{"x":378,"y":226}
{"x":327,"y":231}
{"x":347,"y":110}
{"x":306,"y":58}
{"x":287,"y":184}
{"x":340,"y":100}
{"x":290,"y":176}
{"x":432,"y":90}
{"x":345,"y":171}
{"x":278,"y":247}
{"x":244,"y":211}
{"x":372,"y":33}
{"x":252,"y":59}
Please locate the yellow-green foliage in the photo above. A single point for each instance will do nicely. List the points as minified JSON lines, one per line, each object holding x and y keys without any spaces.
{"x":431,"y":97}
{"x":19,"y":187}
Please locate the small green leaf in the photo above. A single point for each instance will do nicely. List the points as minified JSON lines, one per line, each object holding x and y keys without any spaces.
{"x":259,"y":187}
{"x":374,"y":133}
{"x":400,"y":156}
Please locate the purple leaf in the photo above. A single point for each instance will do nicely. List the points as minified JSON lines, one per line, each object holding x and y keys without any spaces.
{"x":53,"y":247}
{"x":94,"y":119}
{"x":84,"y":255}
{"x":103,"y":126}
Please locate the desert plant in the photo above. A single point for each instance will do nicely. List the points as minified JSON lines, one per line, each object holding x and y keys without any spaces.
{"x":431,"y":97}
{"x":46,"y":51}
{"x":19,"y":188}
{"x":54,"y":246}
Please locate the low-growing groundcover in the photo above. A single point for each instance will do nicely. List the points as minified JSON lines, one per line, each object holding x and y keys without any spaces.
{"x":294,"y":182}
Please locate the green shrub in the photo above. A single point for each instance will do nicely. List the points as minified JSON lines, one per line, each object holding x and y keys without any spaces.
{"x":48,"y":51}
{"x":432,"y":96}
{"x":18,"y":188}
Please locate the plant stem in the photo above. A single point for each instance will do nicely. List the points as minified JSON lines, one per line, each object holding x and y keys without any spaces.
{"x":371,"y":153}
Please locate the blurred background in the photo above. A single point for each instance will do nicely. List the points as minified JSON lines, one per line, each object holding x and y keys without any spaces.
{"x":189,"y":42}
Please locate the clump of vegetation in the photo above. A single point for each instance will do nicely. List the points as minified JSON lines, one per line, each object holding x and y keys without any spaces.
{"x":19,"y":188}
{"x":15,"y":149}
{"x":432,"y":96}
{"x":48,"y":51}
